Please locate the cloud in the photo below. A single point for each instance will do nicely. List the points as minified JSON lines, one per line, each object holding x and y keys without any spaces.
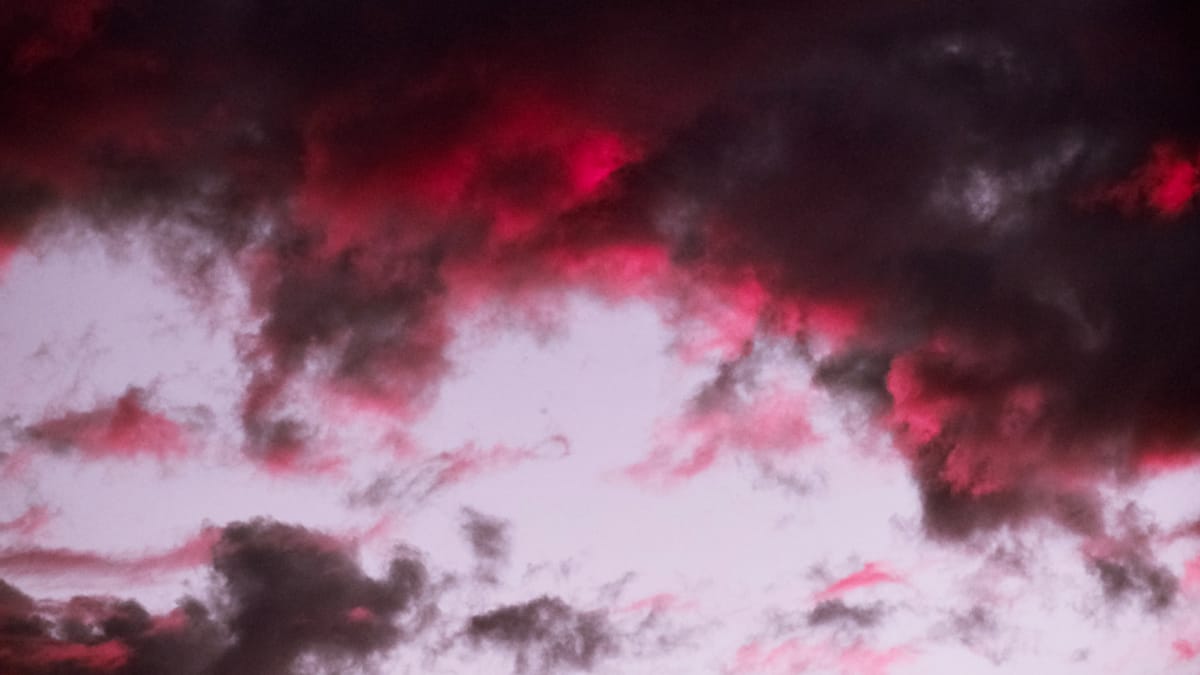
{"x":124,"y":428}
{"x":1135,"y":575}
{"x":443,"y":470}
{"x":910,"y":191}
{"x":985,"y":329}
{"x":31,"y":521}
{"x":1164,"y":185}
{"x":837,"y":612}
{"x":488,"y":536}
{"x":92,"y":635}
{"x":980,"y":222}
{"x":951,"y":512}
{"x":979,"y":629}
{"x":735,"y":411}
{"x":546,"y":635}
{"x":490,"y":542}
{"x":1185,"y":650}
{"x":292,"y":592}
{"x":65,"y":562}
{"x":1124,"y":563}
{"x":796,"y":655}
{"x":281,"y":593}
{"x":871,"y":574}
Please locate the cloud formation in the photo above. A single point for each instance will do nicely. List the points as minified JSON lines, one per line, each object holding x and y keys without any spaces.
{"x":546,"y":635}
{"x":60,"y":562}
{"x":979,"y":224}
{"x":125,"y":427}
{"x":282,"y":593}
{"x":982,"y":220}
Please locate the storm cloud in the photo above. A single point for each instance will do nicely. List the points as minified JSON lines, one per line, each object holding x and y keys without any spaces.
{"x":986,"y":212}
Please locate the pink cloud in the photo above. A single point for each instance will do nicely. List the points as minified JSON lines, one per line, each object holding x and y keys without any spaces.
{"x":1191,"y":575}
{"x":125,"y":428}
{"x":55,"y":656}
{"x":659,"y":602}
{"x":871,"y":574}
{"x":773,"y":421}
{"x":796,"y":656}
{"x":296,"y":460}
{"x":861,"y":660}
{"x":469,"y":460}
{"x":1165,"y":184}
{"x":33,"y":520}
{"x":41,"y":561}
{"x":1186,"y":650}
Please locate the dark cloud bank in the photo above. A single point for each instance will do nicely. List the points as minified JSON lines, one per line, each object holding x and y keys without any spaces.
{"x":994,"y":202}
{"x":284,"y":600}
{"x":281,"y":593}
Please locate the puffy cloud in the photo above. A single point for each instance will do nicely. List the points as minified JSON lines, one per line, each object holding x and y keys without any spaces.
{"x":290,"y":592}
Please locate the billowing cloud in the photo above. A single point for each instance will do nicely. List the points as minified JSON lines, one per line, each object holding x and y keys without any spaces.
{"x":281,"y":593}
{"x":292,"y":592}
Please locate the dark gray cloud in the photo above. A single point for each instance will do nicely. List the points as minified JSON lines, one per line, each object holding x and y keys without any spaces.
{"x":734,"y":380}
{"x":92,"y":635}
{"x":1125,"y":565}
{"x":281,"y":593}
{"x":546,"y":635}
{"x":488,"y":536}
{"x":982,"y":630}
{"x":489,"y":540}
{"x":1130,"y":575}
{"x":836,"y":612}
{"x":292,"y":592}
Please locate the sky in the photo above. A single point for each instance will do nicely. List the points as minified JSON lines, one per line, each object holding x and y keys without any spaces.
{"x":835,"y":338}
